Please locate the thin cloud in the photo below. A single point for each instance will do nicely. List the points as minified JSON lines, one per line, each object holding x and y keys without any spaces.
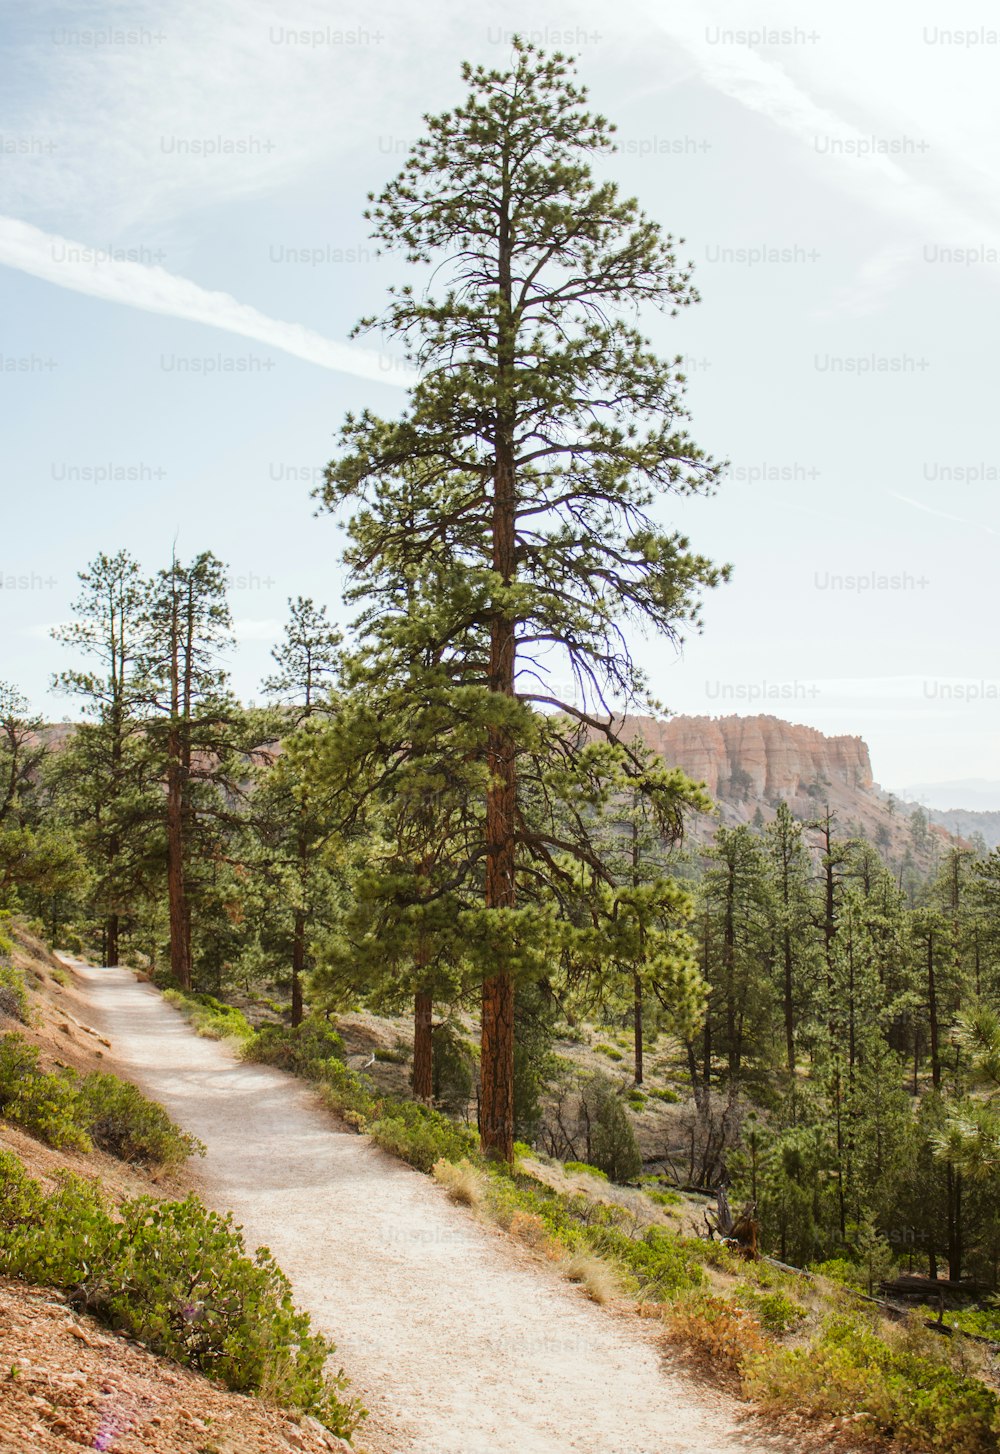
{"x":943,"y":514}
{"x":138,"y":285}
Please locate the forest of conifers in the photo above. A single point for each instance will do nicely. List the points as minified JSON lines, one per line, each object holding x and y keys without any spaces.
{"x":831,"y":1032}
{"x":426,"y":817}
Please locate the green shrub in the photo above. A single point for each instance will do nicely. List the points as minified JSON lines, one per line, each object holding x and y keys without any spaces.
{"x":984,"y":1322}
{"x":75,"y":1115}
{"x":574,"y":1166}
{"x":210,"y":1017}
{"x":774,"y":1310}
{"x":177,"y":1277}
{"x":453,"y":1070}
{"x":14,"y":1002}
{"x":839,"y":1269}
{"x":420,"y":1136}
{"x":301,"y":1050}
{"x":904,"y":1389}
{"x":396,"y":1055}
{"x":57,"y":1239}
{"x":717,"y":1254}
{"x":345,"y":1092}
{"x":636,"y":1100}
{"x":664,"y":1093}
{"x":613,"y":1146}
{"x":611,"y":1051}
{"x":659,"y":1261}
{"x":663,"y":1198}
{"x":44,"y":1105}
{"x":119,"y":1119}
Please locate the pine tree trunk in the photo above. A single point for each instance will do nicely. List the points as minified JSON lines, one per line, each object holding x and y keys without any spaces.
{"x":180,"y":961}
{"x":111,"y":941}
{"x":954,"y":1189}
{"x":298,"y":964}
{"x":423,"y":1046}
{"x":496,"y":1111}
{"x":789,"y":1006}
{"x":841,"y":1201}
{"x":496,"y":1108}
{"x":111,"y":927}
{"x":932,"y":1012}
{"x":637,"y":1027}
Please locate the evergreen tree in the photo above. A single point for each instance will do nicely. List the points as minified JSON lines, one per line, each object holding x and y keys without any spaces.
{"x":102,"y":775}
{"x":738,"y":950}
{"x":539,"y":434}
{"x":308,"y":663}
{"x":790,"y":874}
{"x":202,"y":739}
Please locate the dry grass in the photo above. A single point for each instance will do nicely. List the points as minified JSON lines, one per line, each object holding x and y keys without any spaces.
{"x":529,"y":1228}
{"x":597,"y":1279}
{"x":462,"y":1183}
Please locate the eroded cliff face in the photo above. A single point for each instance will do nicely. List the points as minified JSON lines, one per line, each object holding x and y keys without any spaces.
{"x":758,"y":758}
{"x":749,"y":764}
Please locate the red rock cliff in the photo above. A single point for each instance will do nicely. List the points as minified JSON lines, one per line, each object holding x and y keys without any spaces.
{"x":757,"y":757}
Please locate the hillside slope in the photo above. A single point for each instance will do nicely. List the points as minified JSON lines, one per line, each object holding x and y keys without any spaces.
{"x":69,"y":1383}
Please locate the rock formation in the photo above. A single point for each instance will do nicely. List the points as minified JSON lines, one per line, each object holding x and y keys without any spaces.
{"x":757,"y":758}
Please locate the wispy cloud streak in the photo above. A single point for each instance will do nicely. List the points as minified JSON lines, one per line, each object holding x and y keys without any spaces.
{"x":138,"y":285}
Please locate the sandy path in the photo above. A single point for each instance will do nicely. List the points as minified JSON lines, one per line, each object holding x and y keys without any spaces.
{"x":456,"y":1343}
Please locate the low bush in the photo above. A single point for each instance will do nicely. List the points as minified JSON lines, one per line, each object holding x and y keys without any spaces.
{"x":983,"y":1322}
{"x":419,"y":1135}
{"x":664,"y":1093}
{"x":41,"y":1103}
{"x":721,"y":1330}
{"x":774,"y":1310}
{"x":839,"y":1269}
{"x":902,"y":1386}
{"x":177,"y":1277}
{"x":210,"y":1017}
{"x":345,"y":1092}
{"x":14,"y":1004}
{"x":120,"y":1120}
{"x":301,"y":1050}
{"x":76,"y":1115}
{"x":660,"y":1262}
{"x":663,"y":1198}
{"x":611,"y":1051}
{"x":582,"y":1166}
{"x":718,"y":1255}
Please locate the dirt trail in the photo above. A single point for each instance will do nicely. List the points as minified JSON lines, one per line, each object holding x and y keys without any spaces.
{"x":456,"y":1343}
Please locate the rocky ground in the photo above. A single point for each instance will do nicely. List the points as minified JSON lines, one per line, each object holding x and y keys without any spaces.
{"x":69,"y":1384}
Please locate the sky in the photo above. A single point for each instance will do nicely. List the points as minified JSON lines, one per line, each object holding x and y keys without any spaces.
{"x":183,"y":255}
